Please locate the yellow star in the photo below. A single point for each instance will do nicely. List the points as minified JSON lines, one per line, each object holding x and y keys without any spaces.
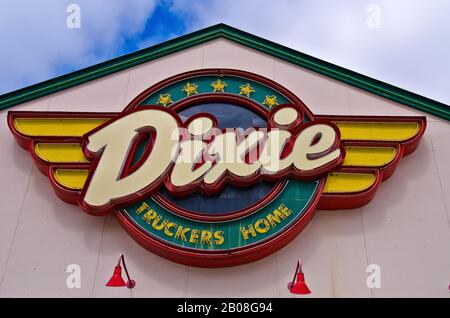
{"x":270,"y":101}
{"x":190,"y":89}
{"x":164,"y":99}
{"x":219,"y":86}
{"x":246,"y":90}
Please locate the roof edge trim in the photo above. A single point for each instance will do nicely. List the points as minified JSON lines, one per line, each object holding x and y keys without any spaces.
{"x":292,"y":56}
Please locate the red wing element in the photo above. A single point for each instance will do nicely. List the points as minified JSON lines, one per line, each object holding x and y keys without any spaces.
{"x":374,"y":146}
{"x":54,"y":140}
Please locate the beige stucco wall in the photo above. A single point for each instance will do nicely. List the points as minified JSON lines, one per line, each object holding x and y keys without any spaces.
{"x":405,"y":229}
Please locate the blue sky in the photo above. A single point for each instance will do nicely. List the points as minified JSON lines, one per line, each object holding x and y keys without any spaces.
{"x":402,"y":42}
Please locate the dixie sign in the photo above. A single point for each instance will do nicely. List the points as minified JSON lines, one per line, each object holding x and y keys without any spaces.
{"x":215,"y":167}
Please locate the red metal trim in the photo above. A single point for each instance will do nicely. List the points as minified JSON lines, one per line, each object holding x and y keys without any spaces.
{"x":129,"y":167}
{"x":246,"y":253}
{"x":353,"y":200}
{"x":205,"y":188}
{"x":24,"y":140}
{"x":388,"y":169}
{"x":220,"y":217}
{"x":220,"y":73}
{"x":230,"y":257}
{"x":95,"y":158}
{"x":43,"y":165}
{"x":228,"y":98}
{"x":66,"y":194}
{"x":409,"y":145}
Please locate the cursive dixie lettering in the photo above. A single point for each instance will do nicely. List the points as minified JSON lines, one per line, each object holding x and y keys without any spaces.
{"x":196,"y":155}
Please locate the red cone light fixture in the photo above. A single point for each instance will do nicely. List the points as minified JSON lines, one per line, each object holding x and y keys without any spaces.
{"x":116,"y":279}
{"x":298,"y":284}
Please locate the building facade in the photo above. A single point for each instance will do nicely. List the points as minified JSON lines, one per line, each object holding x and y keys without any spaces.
{"x":404,"y":230}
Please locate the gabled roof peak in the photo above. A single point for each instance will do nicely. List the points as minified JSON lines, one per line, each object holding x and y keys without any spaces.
{"x":222,"y":30}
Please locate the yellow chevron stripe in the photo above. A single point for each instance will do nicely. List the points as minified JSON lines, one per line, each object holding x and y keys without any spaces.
{"x":337,"y":182}
{"x":64,"y":127}
{"x":355,"y":155}
{"x":71,"y":178}
{"x":376,"y":131}
{"x":60,"y":152}
{"x":381,"y":131}
{"x":344,"y":182}
{"x":368,"y":156}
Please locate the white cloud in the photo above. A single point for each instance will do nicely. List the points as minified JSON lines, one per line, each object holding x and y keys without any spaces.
{"x":36,"y":41}
{"x":410,"y":49}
